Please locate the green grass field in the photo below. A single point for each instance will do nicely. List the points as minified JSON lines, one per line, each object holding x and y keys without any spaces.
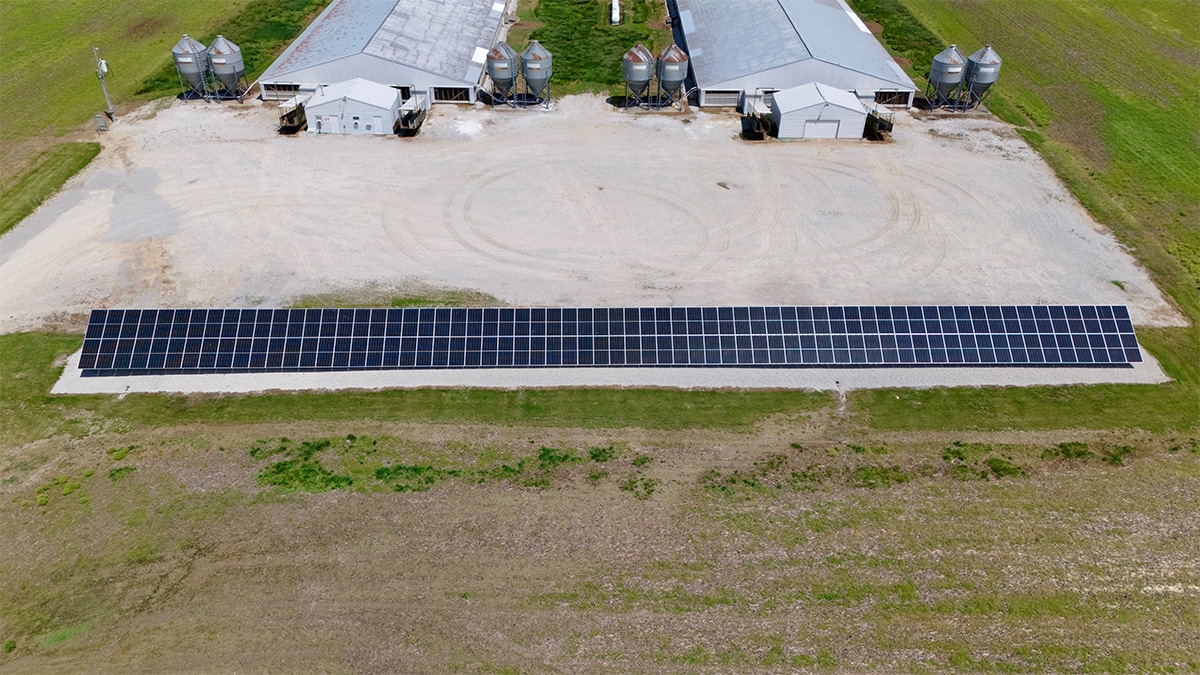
{"x":45,"y":177}
{"x":49,"y":68}
{"x":1107,"y":93}
{"x":587,"y":49}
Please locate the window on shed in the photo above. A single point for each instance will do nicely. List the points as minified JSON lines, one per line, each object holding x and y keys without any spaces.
{"x":451,"y":95}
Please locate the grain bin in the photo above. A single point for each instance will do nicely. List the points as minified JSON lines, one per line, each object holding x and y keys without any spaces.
{"x":672,"y":70}
{"x":638,"y":69}
{"x":503,"y":64}
{"x":947,"y":72}
{"x":983,"y":68}
{"x":538,"y":66}
{"x":191,"y":62}
{"x":225,"y":59}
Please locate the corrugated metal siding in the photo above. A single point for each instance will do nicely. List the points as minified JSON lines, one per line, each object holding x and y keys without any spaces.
{"x":371,"y":68}
{"x":347,"y":109}
{"x":812,"y":70}
{"x":790,"y":124}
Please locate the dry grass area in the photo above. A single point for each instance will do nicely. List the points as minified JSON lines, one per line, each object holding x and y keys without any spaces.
{"x":796,"y":545}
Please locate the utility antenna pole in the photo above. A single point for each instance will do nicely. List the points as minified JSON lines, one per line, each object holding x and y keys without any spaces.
{"x":101,"y":71}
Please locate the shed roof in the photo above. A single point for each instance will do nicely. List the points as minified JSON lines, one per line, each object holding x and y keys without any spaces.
{"x":815,"y":93}
{"x":729,"y":40}
{"x":443,"y":37}
{"x":358,"y":89}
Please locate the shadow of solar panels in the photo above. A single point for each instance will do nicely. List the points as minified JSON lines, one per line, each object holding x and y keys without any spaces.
{"x":177,"y":341}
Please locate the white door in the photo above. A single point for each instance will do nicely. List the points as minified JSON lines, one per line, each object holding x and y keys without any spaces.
{"x":378,"y":126}
{"x":819,"y":129}
{"x":335,"y":125}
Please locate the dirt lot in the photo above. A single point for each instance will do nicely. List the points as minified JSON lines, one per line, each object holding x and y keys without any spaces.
{"x":203,"y":205}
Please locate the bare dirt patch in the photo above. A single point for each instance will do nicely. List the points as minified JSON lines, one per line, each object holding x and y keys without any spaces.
{"x":203,"y":205}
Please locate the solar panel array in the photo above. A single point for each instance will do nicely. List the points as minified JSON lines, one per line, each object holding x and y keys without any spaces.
{"x":170,"y":341}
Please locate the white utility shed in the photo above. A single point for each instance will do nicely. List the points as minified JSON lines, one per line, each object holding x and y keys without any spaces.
{"x":816,"y":110}
{"x":356,"y":106}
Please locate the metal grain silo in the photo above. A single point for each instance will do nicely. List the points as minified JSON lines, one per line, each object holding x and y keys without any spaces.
{"x":983,"y":68}
{"x":191,"y":61}
{"x":225,"y":59}
{"x":672,"y":70}
{"x":948,"y":70}
{"x":538,"y":66}
{"x":638,"y":68}
{"x":503,"y":64}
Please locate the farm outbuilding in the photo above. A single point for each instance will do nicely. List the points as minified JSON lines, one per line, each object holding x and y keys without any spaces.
{"x":817,"y":110}
{"x":434,"y":48}
{"x":742,"y":52}
{"x":356,"y":106}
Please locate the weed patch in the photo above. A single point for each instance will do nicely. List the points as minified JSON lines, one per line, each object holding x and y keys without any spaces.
{"x":118,"y":454}
{"x":640,"y":485}
{"x":1117,"y":455}
{"x":603,"y":454}
{"x":877,"y":476}
{"x":551,"y":457}
{"x":642,"y":460}
{"x":1070,"y":450}
{"x":414,"y":478}
{"x":9,"y":646}
{"x":1003,"y":467}
{"x":305,"y":475}
{"x":120,"y":473}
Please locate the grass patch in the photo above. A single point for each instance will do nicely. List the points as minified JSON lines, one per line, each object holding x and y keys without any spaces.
{"x":606,"y":454}
{"x":1069,"y":450}
{"x":42,"y":179}
{"x":262,"y":29}
{"x":66,"y":634}
{"x":641,"y":486}
{"x":28,"y":413}
{"x":877,"y":476}
{"x":1117,"y":455}
{"x":1003,"y":467}
{"x":587,"y":49}
{"x":414,"y":294}
{"x":413,"y":478}
{"x":9,"y":646}
{"x":120,"y":473}
{"x":1119,"y":131}
{"x":903,"y":34}
{"x":551,"y":457}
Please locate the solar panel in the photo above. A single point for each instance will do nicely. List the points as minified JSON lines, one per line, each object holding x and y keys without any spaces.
{"x":165,"y":341}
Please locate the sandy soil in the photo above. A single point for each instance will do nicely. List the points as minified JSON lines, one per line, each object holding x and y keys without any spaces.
{"x":203,"y":205}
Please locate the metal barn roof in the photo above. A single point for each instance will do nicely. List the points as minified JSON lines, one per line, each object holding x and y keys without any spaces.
{"x":814,"y":94}
{"x":442,"y":37}
{"x":365,"y":91}
{"x":732,"y":41}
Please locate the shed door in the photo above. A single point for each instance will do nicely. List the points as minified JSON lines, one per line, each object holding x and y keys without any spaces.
{"x":816,"y":129}
{"x":378,"y":127}
{"x":335,"y":125}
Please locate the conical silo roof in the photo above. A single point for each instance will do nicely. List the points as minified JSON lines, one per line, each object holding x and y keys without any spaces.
{"x":187,"y":45}
{"x":951,"y":56}
{"x":985,"y":57}
{"x":223,"y":47}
